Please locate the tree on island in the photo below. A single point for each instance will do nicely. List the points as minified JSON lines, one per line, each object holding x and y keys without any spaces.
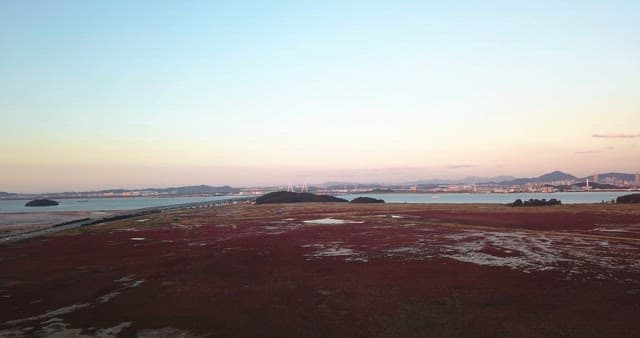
{"x":535,"y":202}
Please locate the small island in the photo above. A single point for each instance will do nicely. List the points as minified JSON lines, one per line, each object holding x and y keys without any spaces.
{"x":535,"y":202}
{"x":632,"y":198}
{"x":295,"y":197}
{"x":366,"y":200}
{"x":41,"y":203}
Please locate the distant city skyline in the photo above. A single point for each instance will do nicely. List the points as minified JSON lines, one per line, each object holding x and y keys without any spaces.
{"x":282,"y":177}
{"x":105,"y":94}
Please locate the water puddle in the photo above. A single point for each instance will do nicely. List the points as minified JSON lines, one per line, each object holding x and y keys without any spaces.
{"x":329,"y":221}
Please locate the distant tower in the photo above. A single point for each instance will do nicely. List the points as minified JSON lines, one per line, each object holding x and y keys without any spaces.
{"x":638,"y":179}
{"x":586,"y":186}
{"x":290,"y":188}
{"x":304,"y":188}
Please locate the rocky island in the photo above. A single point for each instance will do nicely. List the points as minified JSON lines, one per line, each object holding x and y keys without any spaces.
{"x":295,"y":197}
{"x":366,"y":200}
{"x":41,"y":203}
{"x":632,"y":198}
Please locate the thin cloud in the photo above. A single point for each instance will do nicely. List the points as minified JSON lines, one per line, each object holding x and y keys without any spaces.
{"x":594,"y":151}
{"x":615,"y":135}
{"x":460,"y":166}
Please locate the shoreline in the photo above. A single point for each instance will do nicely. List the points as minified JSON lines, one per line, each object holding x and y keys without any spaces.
{"x":83,"y":198}
{"x":95,"y":217}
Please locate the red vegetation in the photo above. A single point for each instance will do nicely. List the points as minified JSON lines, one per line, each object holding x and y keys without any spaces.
{"x":261,"y":271}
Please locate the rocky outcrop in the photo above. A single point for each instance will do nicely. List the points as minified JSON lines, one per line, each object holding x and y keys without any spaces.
{"x":41,"y":203}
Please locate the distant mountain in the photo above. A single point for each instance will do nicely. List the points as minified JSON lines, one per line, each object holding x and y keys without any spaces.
{"x":187,"y":190}
{"x":617,"y":176}
{"x":554,"y":176}
{"x":108,"y":191}
{"x":196,"y":189}
{"x":476,"y":179}
{"x":468,"y":179}
{"x":7,"y":194}
{"x":594,"y":185}
{"x":351,"y":186}
{"x":171,"y":191}
{"x":336,"y":185}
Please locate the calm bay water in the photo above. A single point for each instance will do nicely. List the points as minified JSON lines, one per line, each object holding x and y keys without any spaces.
{"x":94,"y":204}
{"x":565,"y":197}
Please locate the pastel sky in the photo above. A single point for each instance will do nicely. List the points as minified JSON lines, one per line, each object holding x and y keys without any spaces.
{"x":98,"y":94}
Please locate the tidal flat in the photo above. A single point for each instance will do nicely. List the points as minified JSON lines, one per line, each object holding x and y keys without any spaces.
{"x":375,"y":270}
{"x":19,"y":222}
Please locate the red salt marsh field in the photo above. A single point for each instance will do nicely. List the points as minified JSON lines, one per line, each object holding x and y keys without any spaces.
{"x":394,"y":270}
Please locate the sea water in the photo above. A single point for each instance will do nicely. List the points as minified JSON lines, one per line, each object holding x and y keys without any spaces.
{"x":565,"y":197}
{"x":95,"y":204}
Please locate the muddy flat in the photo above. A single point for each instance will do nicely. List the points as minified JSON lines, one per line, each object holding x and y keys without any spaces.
{"x":332,"y":270}
{"x":17,"y":222}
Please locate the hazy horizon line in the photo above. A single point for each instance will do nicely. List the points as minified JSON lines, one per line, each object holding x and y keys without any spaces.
{"x":311,"y":182}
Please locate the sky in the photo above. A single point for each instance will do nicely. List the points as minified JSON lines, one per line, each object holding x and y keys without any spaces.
{"x":103,"y":94}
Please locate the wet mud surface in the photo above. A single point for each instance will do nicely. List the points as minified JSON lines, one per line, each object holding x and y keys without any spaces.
{"x":18,"y":222}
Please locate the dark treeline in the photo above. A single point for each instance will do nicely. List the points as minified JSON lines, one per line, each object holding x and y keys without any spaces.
{"x":535,"y":202}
